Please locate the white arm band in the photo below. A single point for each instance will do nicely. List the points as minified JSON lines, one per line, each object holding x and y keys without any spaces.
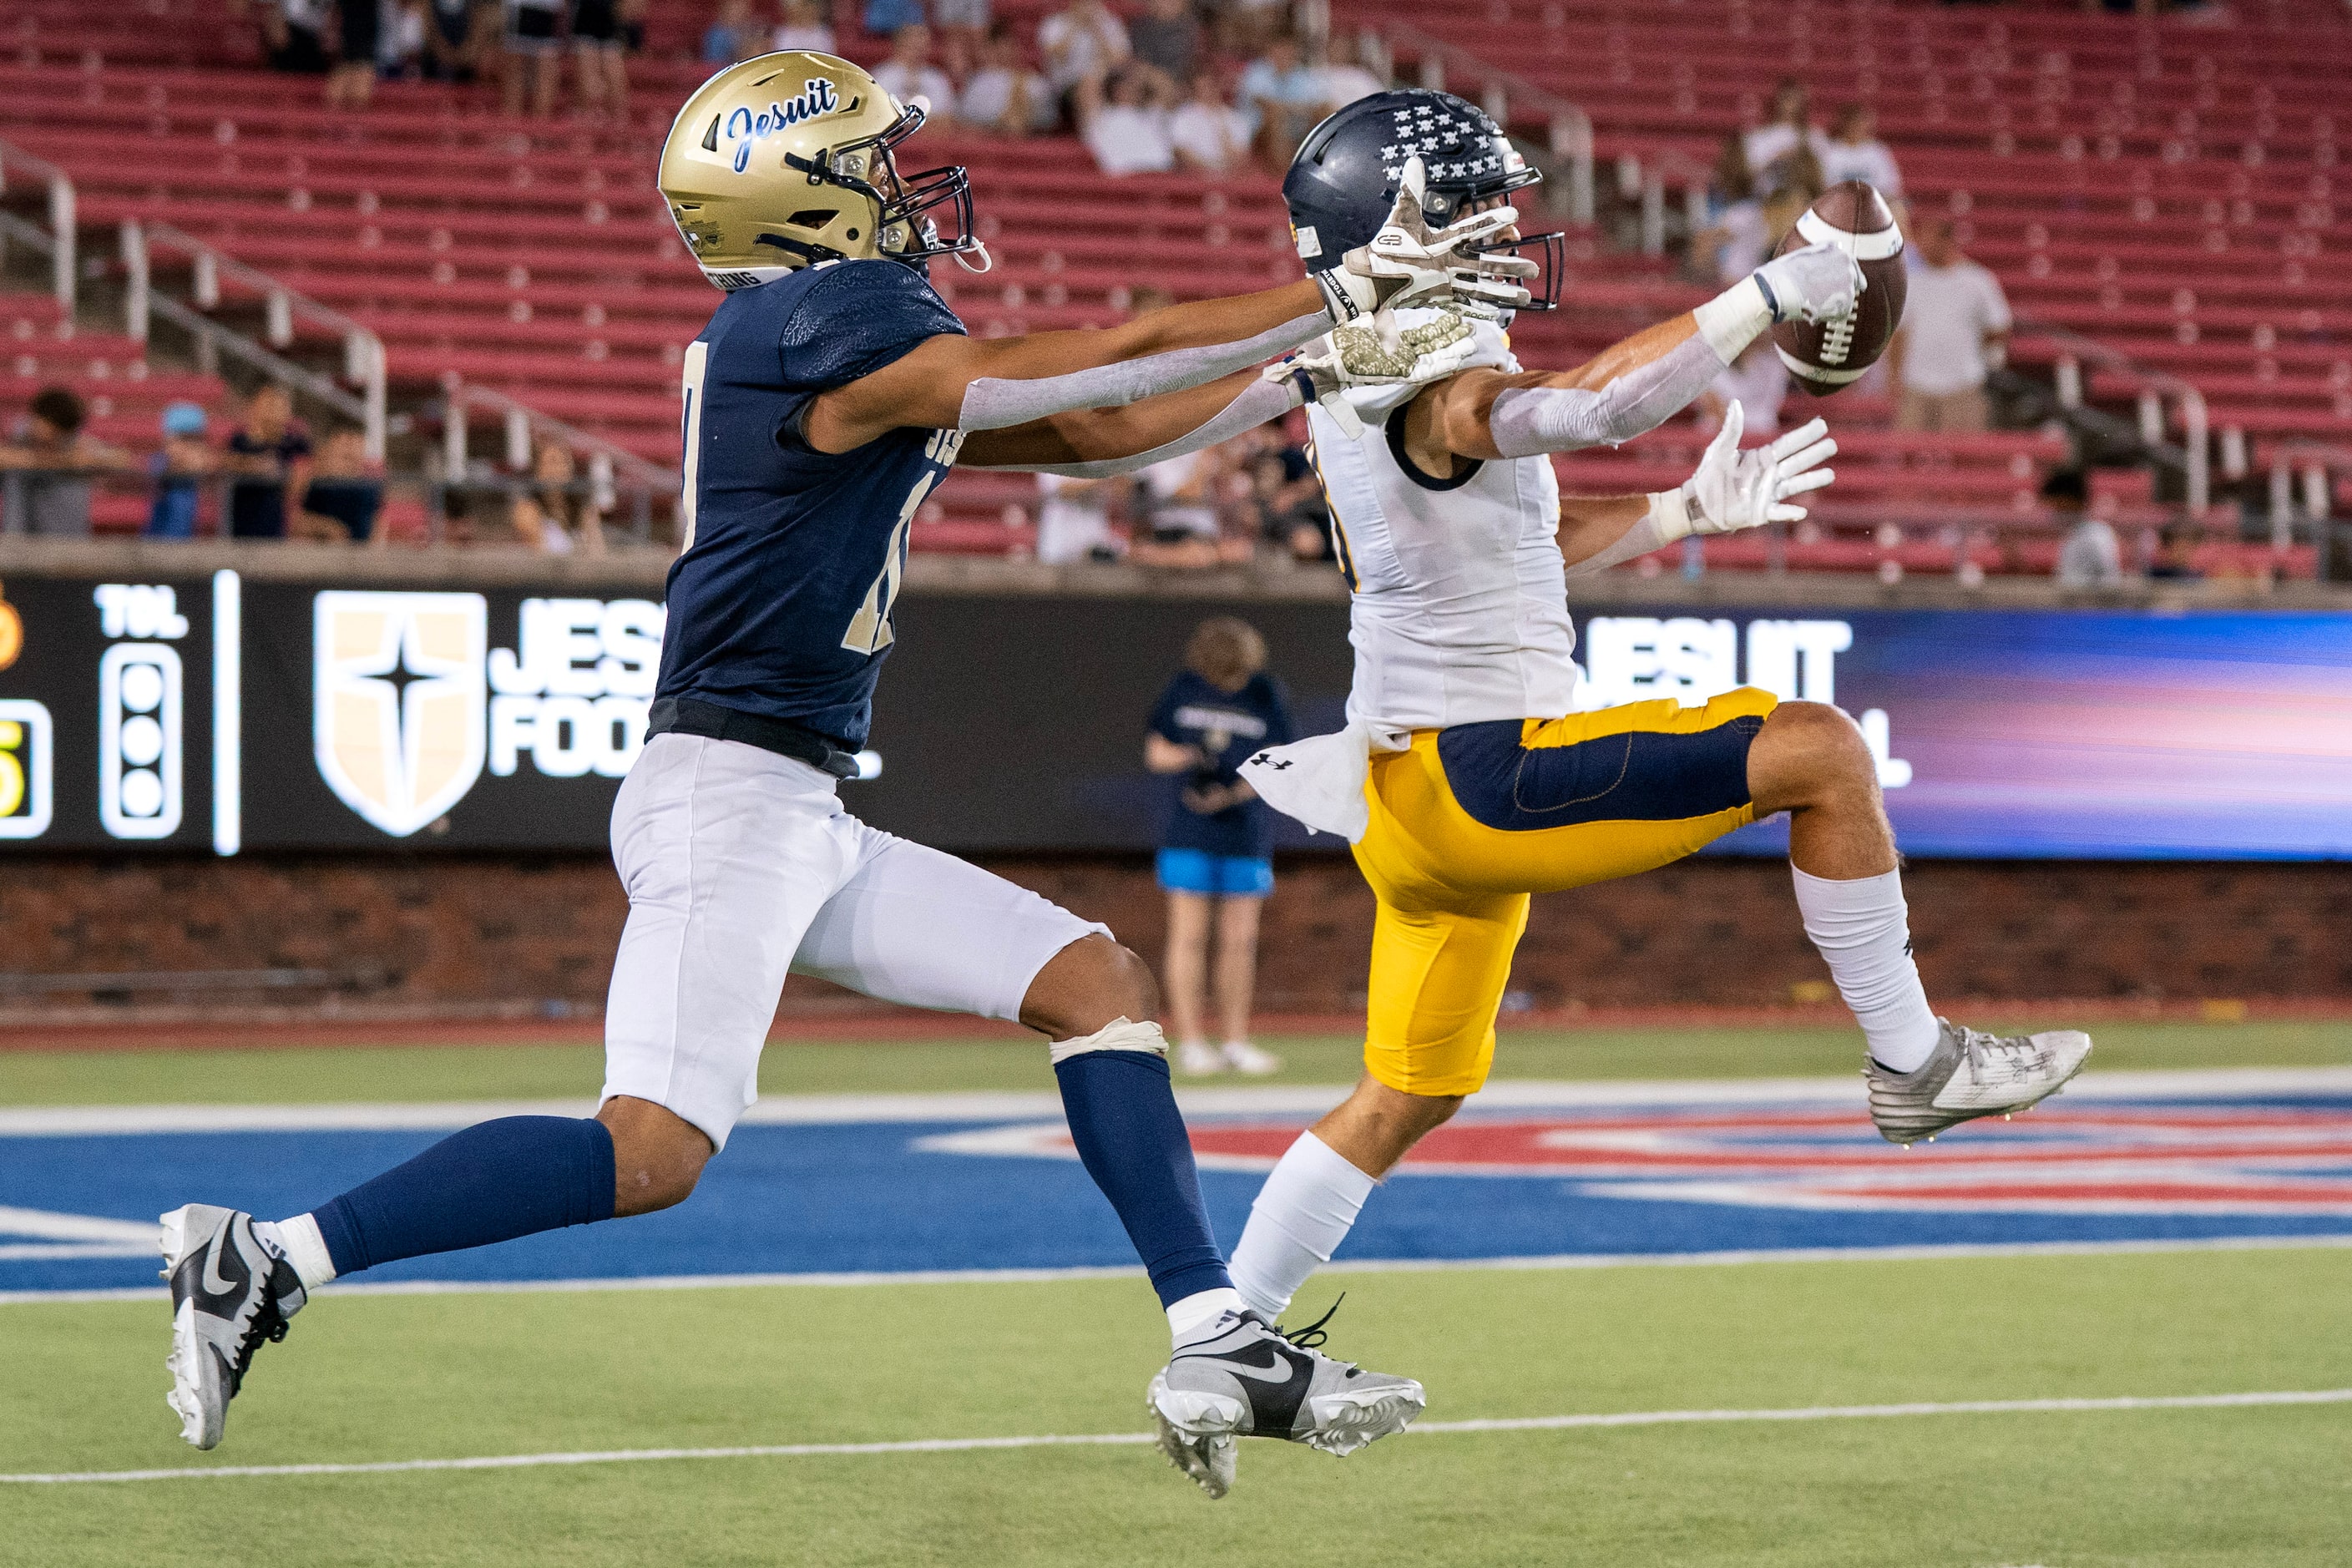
{"x":1529,"y":420}
{"x":1260,"y":402}
{"x":990,"y":404}
{"x":1735,"y":318}
{"x":1667,"y":520}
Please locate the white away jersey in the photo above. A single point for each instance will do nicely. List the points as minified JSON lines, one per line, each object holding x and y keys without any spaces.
{"x":1460,"y":612}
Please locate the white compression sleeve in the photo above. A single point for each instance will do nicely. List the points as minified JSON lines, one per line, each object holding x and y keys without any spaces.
{"x":1862,"y":929}
{"x":1527,"y":421}
{"x":1260,"y":402}
{"x":1667,"y":520}
{"x":1735,"y":318}
{"x":991,"y":403}
{"x":1304,"y":1212}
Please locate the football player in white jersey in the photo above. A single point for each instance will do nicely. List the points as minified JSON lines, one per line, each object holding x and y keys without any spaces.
{"x":1466,"y":780}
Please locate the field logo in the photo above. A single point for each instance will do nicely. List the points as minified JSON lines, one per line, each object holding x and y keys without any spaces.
{"x":398,"y":693}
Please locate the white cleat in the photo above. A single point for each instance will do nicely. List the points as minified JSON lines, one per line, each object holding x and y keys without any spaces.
{"x":1249,"y":1060}
{"x":1198,"y":1058}
{"x":229,"y":1293}
{"x":1972,"y":1074}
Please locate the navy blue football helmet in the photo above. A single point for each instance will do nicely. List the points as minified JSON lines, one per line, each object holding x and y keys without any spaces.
{"x":1344,"y":180}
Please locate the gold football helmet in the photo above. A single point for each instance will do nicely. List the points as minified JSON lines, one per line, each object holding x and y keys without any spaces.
{"x":786,"y":161}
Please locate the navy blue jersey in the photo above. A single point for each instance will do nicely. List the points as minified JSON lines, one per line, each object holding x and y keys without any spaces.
{"x":1227,"y":726}
{"x":779,"y":602}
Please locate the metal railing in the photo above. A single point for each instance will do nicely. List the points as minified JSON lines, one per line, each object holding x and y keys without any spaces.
{"x":363,"y":358}
{"x":2315,"y":463}
{"x":58,"y":241}
{"x":2153,"y":388}
{"x":609,"y":466}
{"x":1502,"y":95}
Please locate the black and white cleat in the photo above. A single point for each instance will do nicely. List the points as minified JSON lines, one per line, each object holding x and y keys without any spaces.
{"x":229,"y":1293}
{"x":1249,"y":1379}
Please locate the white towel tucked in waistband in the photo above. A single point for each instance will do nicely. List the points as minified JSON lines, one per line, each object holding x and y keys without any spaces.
{"x":1321,"y":779}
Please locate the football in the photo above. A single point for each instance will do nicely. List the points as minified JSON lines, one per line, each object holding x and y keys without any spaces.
{"x":1824,"y":356}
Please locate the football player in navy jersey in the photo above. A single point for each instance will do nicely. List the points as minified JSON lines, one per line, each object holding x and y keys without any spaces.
{"x":831,"y":391}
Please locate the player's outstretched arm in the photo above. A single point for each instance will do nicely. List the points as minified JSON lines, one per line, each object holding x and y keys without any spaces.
{"x":1730,"y":491}
{"x":956,"y":383}
{"x":1095,"y":443}
{"x":1637,"y":385}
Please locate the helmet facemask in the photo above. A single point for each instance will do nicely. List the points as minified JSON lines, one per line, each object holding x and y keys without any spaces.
{"x":903,"y":232}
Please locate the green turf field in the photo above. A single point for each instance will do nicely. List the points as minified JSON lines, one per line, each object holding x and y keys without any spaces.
{"x":368,"y":1378}
{"x":535,"y":1072}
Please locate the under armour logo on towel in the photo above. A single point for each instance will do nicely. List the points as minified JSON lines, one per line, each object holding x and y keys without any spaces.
{"x":1265,"y":760}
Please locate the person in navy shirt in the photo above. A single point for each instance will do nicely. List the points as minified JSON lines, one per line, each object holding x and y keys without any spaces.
{"x":1216,"y":837}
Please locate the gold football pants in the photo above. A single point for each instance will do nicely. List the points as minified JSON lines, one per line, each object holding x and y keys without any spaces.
{"x":1470,"y":821}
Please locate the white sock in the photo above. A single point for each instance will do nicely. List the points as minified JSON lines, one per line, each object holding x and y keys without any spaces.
{"x":299,"y":1241}
{"x":1862,"y":929}
{"x":1191,"y":1318}
{"x":1304,"y":1212}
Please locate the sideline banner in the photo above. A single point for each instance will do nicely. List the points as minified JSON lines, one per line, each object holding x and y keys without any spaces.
{"x":211,"y":714}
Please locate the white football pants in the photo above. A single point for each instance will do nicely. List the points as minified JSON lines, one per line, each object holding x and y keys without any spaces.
{"x":740,"y":864}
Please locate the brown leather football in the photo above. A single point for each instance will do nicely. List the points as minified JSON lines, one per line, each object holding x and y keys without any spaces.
{"x":1827,"y":356}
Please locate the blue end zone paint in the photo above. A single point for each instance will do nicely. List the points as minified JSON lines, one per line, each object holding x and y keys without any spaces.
{"x":865,"y":1196}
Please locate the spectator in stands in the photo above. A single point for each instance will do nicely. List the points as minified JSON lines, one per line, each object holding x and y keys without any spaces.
{"x":1209,"y":134}
{"x":1342,"y":78}
{"x":883,"y":17}
{"x":1167,"y":37}
{"x":534,"y":55}
{"x":2089,"y":554}
{"x":1127,"y":133}
{"x":633,"y":25}
{"x":1854,"y":152}
{"x":1243,"y":26}
{"x":1217,"y":841}
{"x":1282,"y":502}
{"x":1082,"y":45}
{"x":293,"y":36}
{"x":555,"y":515}
{"x":340,"y":503}
{"x":803,"y":27}
{"x":179,"y":471}
{"x":49,"y":463}
{"x":453,"y":42}
{"x":269,"y":460}
{"x":1733,"y":244}
{"x":963,"y":28}
{"x":602,"y":57}
{"x":909,"y":73}
{"x":400,"y":54}
{"x":1004,"y":96}
{"x":1178,"y":498}
{"x":730,"y":37}
{"x":352,"y":81}
{"x":1789,"y":129}
{"x":2176,"y":554}
{"x":1284,"y":96}
{"x":1955,"y":326}
{"x":1074,"y":519}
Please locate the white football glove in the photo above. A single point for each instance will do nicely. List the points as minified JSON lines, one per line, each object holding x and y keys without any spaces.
{"x":1818,"y":283}
{"x":1733,"y":489}
{"x":1407,"y":262}
{"x":1358,"y":355}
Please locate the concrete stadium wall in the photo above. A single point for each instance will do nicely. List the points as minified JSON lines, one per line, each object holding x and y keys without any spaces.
{"x":463,"y":935}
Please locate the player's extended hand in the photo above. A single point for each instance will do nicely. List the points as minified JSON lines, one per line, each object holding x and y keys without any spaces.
{"x":1408,"y":262}
{"x":1735,"y":489}
{"x":1818,"y":283}
{"x":1357,"y":355}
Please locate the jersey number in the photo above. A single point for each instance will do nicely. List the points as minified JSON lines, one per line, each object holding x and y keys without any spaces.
{"x":869,"y":629}
{"x":697,"y":357}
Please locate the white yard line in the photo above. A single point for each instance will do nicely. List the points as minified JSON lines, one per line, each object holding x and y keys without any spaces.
{"x":818,"y":1109}
{"x":1129,"y":1439}
{"x":1346,"y":1266}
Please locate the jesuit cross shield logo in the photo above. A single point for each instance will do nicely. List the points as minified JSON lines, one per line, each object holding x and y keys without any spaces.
{"x":398,"y":697}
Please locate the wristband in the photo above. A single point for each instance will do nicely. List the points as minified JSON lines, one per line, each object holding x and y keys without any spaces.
{"x":1736,"y":318}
